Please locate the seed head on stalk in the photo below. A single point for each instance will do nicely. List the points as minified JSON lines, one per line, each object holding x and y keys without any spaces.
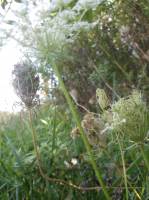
{"x":26,"y":83}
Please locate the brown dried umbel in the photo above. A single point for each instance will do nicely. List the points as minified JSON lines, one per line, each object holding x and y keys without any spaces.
{"x":26,"y":83}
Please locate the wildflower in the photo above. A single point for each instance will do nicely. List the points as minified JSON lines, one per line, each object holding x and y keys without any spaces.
{"x":74,"y":161}
{"x":131,"y":117}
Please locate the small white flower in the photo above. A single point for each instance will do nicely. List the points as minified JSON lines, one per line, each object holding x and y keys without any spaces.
{"x":74,"y":161}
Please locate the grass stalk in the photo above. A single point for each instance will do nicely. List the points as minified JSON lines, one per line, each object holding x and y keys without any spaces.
{"x":145,"y":157}
{"x":124,"y":168}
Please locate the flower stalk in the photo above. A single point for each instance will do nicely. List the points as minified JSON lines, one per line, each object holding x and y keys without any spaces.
{"x":83,"y":135}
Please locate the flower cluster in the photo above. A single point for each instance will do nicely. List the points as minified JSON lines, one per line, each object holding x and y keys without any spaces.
{"x":131,"y":117}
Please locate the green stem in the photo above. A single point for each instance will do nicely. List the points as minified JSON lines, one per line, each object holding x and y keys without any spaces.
{"x":83,"y":135}
{"x":124,"y":168}
{"x":53,"y":137}
{"x":146,"y":159}
{"x":135,"y":162}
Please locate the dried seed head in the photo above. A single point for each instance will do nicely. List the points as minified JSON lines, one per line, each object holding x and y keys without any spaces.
{"x":26,"y":83}
{"x":75,"y":133}
{"x":93,"y":128}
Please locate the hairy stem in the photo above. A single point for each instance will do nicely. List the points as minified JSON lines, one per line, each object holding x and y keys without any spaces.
{"x":83,"y":135}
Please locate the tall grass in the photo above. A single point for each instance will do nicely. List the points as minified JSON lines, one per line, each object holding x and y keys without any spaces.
{"x":20,"y":177}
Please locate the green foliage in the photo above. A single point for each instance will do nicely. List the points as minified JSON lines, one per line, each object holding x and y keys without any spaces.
{"x":86,"y":45}
{"x":19,"y":176}
{"x":65,"y":158}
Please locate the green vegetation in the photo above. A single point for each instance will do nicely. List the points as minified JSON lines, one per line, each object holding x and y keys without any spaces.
{"x":89,"y":136}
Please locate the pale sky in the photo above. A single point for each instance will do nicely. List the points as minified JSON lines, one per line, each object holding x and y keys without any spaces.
{"x":9,"y":55}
